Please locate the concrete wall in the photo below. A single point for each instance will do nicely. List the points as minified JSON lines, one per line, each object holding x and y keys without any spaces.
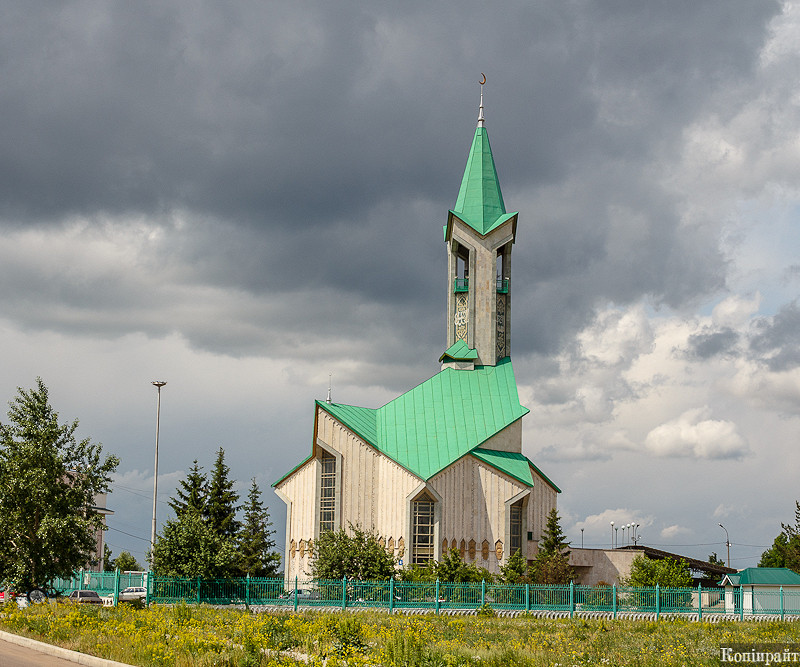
{"x":595,"y":565}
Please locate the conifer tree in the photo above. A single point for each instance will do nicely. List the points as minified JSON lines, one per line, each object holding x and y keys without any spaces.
{"x":551,"y":565}
{"x":221,"y":507}
{"x":553,"y":538}
{"x":192,"y":494}
{"x":48,"y":482}
{"x":256,"y":546}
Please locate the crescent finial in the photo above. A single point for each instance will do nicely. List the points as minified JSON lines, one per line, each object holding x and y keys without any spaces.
{"x":483,"y":76}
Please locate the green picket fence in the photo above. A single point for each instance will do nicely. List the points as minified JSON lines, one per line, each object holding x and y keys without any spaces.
{"x":102,"y":582}
{"x":443,"y":596}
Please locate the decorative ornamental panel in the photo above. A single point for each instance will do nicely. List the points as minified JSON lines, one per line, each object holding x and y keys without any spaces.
{"x":501,"y":326}
{"x":460,"y":318}
{"x":498,"y":550}
{"x":453,"y":544}
{"x":444,"y":546}
{"x":471,"y":548}
{"x":401,"y":547}
{"x":462,"y":549}
{"x":302,"y":548}
{"x":485,"y":550}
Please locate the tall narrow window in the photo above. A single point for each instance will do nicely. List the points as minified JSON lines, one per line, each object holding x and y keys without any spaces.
{"x":327,"y":493}
{"x":422,"y":517}
{"x":516,"y":528}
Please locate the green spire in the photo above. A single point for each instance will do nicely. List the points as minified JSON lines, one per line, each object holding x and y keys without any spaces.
{"x":480,"y":202}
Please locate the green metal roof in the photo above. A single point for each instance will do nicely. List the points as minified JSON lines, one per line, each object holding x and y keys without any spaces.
{"x":439,"y":421}
{"x":480,"y":201}
{"x":514,"y":464}
{"x":764,"y":576}
{"x":459,"y":351}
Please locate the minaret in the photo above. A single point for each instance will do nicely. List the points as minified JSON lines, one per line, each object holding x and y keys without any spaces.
{"x":479,"y":235}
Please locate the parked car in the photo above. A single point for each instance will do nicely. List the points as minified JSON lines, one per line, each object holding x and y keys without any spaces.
{"x":133,"y":593}
{"x":302,"y":594}
{"x":85,"y":597}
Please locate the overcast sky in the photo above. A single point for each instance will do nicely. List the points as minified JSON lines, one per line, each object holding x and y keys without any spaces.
{"x":240,"y":198}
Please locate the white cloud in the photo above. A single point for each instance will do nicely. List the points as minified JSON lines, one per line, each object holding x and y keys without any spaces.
{"x":694,"y":435}
{"x":673,"y":531}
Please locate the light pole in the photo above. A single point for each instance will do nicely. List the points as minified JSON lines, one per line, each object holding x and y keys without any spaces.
{"x":727,"y":543}
{"x":157,"y":384}
{"x":616,"y":537}
{"x":581,"y":538}
{"x":612,"y":534}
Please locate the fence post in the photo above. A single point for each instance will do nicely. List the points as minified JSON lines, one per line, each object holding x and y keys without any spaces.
{"x":247,"y":590}
{"x":571,"y":599}
{"x":391,"y":596}
{"x":699,"y":602}
{"x":527,"y":597}
{"x":658,"y":602}
{"x":741,"y":603}
{"x":116,"y":586}
{"x":146,"y":581}
{"x":483,"y":592}
{"x":782,"y":610}
{"x":437,"y":596}
{"x":344,"y":592}
{"x":614,"y":600}
{"x":198,"y":590}
{"x":295,"y":592}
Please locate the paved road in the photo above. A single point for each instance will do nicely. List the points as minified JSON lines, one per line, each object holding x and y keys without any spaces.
{"x":12,"y":655}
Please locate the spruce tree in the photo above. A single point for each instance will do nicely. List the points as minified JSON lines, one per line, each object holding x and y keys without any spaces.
{"x":256,"y":546}
{"x":221,"y":507}
{"x":553,"y":538}
{"x":551,"y":565}
{"x":192,"y":494}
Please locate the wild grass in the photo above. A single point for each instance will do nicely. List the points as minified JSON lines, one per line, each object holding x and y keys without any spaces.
{"x":185,"y":635}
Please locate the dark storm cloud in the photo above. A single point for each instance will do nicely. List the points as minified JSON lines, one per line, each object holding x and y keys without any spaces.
{"x":777,"y":341}
{"x":709,"y":343}
{"x":318,"y":147}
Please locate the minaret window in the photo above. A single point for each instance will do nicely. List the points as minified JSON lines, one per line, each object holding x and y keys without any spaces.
{"x":327,"y":493}
{"x":502,"y":279}
{"x":422,"y":528}
{"x":462,"y":270}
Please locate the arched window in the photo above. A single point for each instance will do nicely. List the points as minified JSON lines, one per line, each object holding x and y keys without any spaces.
{"x":327,"y":493}
{"x":422,"y":526}
{"x":516,"y":527}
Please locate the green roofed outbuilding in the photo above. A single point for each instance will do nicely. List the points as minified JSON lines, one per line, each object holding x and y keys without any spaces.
{"x":440,"y":466}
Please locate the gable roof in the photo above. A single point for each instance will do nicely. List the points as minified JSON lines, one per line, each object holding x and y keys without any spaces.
{"x":514,"y":464}
{"x":439,"y":421}
{"x":763,"y":576}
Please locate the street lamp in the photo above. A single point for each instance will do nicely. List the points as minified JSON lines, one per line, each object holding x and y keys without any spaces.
{"x":581,"y":538}
{"x":727,"y":543}
{"x":157,"y":384}
{"x":612,"y":534}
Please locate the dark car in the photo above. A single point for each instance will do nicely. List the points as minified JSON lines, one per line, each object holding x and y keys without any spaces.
{"x":85,"y":597}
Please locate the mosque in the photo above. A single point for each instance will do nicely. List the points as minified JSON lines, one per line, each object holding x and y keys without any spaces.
{"x":440,"y":466}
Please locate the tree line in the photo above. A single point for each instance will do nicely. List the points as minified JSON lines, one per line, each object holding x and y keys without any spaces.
{"x":207,"y":537}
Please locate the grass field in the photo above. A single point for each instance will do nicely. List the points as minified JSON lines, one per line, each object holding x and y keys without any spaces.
{"x":191,"y":635}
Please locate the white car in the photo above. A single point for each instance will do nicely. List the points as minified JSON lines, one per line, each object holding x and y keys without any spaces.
{"x":133,"y":593}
